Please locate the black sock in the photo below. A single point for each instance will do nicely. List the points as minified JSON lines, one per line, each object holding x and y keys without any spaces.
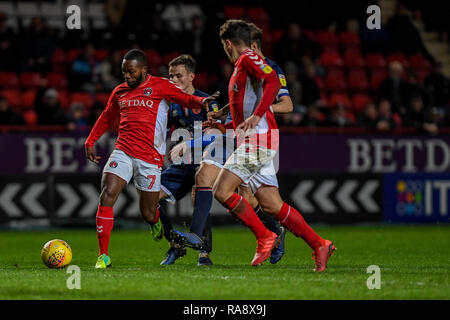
{"x":270,"y":222}
{"x":165,"y":222}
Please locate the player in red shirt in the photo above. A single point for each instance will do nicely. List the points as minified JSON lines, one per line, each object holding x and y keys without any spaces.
{"x":252,"y":89}
{"x":141,"y":105}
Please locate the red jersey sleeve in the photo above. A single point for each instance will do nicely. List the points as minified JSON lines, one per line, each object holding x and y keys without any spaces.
{"x":260,"y":70}
{"x":173,"y":93}
{"x":105,"y":121}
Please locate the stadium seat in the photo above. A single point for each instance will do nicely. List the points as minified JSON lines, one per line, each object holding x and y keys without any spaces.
{"x":326,"y":38}
{"x":398,"y":56}
{"x":335,"y":81}
{"x":331,"y":60}
{"x":58,"y":56}
{"x":101,"y":54}
{"x":422,"y":74}
{"x":357,"y":80}
{"x":336,"y":99}
{"x":202,"y":81}
{"x":57,"y":80}
{"x":9,"y":80}
{"x":166,"y":58}
{"x":28,"y":98}
{"x":417,"y":61}
{"x":310,"y":34}
{"x":30,"y":117}
{"x":85,"y":98}
{"x":232,"y":12}
{"x":72,"y":54}
{"x":63,"y":97}
{"x":376,"y":77}
{"x":258,"y":15}
{"x":375,"y":60}
{"x":354,"y":59}
{"x":320,"y":83}
{"x":153,"y":56}
{"x":360,"y":101}
{"x":349,"y":39}
{"x":102,"y":98}
{"x":277,"y":35}
{"x":13,"y":96}
{"x":30,"y":80}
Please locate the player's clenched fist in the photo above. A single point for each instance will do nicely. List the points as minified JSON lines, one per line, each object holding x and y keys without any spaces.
{"x":91,"y":155}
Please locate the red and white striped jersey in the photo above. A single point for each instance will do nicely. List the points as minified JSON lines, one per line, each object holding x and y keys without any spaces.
{"x":252,"y":89}
{"x":143,"y":113}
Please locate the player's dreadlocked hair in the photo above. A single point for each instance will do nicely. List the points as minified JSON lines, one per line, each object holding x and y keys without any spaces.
{"x":138,"y":55}
{"x":186,"y":60}
{"x":236,"y":31}
{"x":255,"y":34}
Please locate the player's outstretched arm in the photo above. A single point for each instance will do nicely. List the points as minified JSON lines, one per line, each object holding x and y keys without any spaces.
{"x":103,"y":123}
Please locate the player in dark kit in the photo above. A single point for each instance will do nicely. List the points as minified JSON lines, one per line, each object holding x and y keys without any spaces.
{"x":211,"y":163}
{"x":178,"y":179}
{"x":141,"y":105}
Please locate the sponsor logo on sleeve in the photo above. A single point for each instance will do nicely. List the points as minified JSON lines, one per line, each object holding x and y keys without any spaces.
{"x":282,"y":80}
{"x":266,"y":68}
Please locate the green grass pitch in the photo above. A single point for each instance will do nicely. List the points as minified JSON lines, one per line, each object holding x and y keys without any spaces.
{"x":414,"y":262}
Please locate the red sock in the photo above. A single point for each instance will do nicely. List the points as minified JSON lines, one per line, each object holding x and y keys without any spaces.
{"x":156,"y":216}
{"x":293,"y":220}
{"x":238,"y":206}
{"x":104,"y":221}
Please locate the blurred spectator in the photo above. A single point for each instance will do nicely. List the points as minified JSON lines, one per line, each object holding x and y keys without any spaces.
{"x":439,"y":87}
{"x":369,"y":117}
{"x":386,"y":119}
{"x":178,"y":15}
{"x":292,"y":119}
{"x":294,"y":85}
{"x":95,"y":112}
{"x":313,"y":117}
{"x":310,"y":92}
{"x":7,"y":115}
{"x":108,"y":73}
{"x":82,"y":70}
{"x":404,"y":36}
{"x":37,"y":46}
{"x":374,"y":40}
{"x":221,"y":83}
{"x":418,"y":117}
{"x":339,"y":117}
{"x":76,"y":117}
{"x":295,"y":45}
{"x":8,"y":58}
{"x":414,"y":88}
{"x":48,"y":108}
{"x":394,"y":88}
{"x":194,"y":39}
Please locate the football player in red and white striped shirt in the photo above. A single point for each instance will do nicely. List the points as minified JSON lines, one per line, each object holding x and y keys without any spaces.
{"x":141,"y":105}
{"x":252,"y":89}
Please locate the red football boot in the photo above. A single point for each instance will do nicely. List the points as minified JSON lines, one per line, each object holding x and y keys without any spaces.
{"x":322,"y":255}
{"x":264,"y":248}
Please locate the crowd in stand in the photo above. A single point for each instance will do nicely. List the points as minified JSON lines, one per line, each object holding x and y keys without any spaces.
{"x":64,"y":77}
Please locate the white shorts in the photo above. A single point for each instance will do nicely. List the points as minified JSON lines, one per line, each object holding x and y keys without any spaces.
{"x":254,"y":165}
{"x":147,"y":176}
